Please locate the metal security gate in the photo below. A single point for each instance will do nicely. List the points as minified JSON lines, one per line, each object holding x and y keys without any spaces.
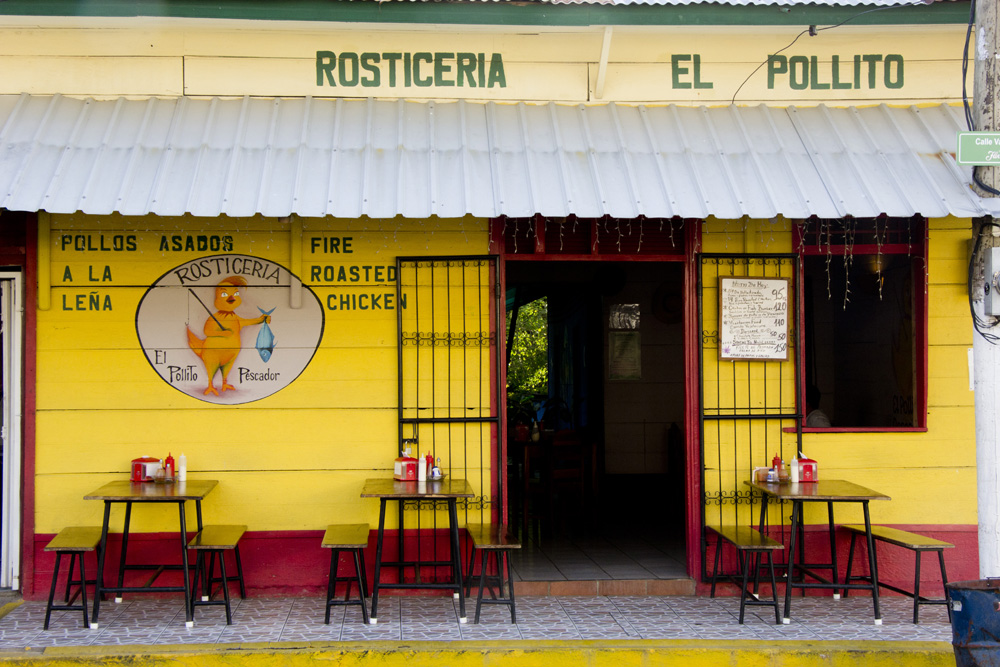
{"x":749,"y":409}
{"x":449,"y":372}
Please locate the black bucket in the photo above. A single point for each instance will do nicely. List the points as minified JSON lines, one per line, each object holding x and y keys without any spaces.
{"x":975,"y":622}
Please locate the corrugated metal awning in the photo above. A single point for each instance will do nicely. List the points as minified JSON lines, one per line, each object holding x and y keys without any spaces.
{"x":353,"y":158}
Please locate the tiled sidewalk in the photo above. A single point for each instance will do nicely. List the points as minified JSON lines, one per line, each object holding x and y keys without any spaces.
{"x":413,"y":618}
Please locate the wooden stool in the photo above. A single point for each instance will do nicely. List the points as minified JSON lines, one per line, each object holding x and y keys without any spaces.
{"x":216,"y":540}
{"x":748,"y":541}
{"x":74,"y":541}
{"x":493,"y":539}
{"x":354,"y":538}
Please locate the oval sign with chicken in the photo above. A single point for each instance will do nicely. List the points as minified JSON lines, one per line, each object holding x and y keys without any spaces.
{"x":229,"y":329}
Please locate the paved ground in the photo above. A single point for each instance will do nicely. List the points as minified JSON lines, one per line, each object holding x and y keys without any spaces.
{"x":418,"y":618}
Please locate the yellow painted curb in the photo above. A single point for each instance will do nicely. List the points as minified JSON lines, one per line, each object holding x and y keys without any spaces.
{"x":591,"y":653}
{"x":9,"y":607}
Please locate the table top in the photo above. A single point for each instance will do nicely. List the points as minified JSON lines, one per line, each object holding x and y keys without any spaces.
{"x":825,"y":489}
{"x":449,"y":487}
{"x":124,"y":490}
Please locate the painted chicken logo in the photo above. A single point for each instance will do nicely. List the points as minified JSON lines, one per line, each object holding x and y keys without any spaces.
{"x":222,"y":342}
{"x":196,"y":326}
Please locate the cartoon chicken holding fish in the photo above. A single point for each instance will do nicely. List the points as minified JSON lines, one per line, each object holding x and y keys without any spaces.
{"x":222,"y":342}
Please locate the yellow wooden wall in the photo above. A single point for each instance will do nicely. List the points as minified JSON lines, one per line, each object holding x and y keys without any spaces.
{"x":293,"y":461}
{"x":931,"y":477}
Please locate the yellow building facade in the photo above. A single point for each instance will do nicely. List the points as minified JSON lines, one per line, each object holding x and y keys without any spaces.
{"x":124,"y":265}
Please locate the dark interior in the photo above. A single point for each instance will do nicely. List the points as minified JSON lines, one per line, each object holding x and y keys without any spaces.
{"x":606,"y":470}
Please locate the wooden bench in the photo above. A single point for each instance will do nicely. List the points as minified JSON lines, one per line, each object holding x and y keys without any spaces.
{"x":75,"y":541}
{"x":912,"y":541}
{"x":747,"y":542}
{"x":495,"y":539}
{"x":354,"y":538}
{"x":216,"y":540}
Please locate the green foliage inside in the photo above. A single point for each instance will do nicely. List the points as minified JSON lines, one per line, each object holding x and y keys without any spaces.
{"x":527,"y":372}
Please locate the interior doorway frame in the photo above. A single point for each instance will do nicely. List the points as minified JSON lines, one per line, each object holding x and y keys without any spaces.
{"x":541,"y":246}
{"x":11,"y":412}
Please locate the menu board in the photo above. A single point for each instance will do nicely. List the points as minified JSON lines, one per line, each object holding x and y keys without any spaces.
{"x":753,"y":318}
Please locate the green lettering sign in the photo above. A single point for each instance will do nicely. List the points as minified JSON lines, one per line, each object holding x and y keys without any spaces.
{"x":422,"y":69}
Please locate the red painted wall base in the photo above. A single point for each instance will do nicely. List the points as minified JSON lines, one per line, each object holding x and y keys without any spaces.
{"x":288,"y":563}
{"x":292,"y":563}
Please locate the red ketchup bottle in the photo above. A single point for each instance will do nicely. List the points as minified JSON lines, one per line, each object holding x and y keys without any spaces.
{"x":169,"y":466}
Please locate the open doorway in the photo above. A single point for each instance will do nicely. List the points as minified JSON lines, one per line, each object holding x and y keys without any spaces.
{"x":595,"y":416}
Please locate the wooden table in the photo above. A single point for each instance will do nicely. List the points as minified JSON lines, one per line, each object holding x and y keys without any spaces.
{"x":829,"y":491}
{"x":449,"y":490}
{"x":147,"y":492}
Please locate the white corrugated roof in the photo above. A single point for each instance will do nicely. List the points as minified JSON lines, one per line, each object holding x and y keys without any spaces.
{"x":352,"y":158}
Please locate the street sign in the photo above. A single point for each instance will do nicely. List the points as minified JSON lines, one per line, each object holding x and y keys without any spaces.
{"x":978,"y":148}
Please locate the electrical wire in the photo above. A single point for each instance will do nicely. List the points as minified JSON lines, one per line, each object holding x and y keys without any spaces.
{"x":969,"y":120}
{"x":812,"y":31}
{"x":981,"y":325}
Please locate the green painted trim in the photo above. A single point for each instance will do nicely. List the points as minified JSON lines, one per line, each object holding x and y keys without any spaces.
{"x":488,"y":12}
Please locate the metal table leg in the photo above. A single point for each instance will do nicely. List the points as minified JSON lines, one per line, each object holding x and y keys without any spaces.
{"x":373,"y":619}
{"x":833,"y":548}
{"x":872,"y":563}
{"x":796,"y":517}
{"x":121,"y":562}
{"x":456,"y":558}
{"x":100,"y":565}
{"x":188,"y":609}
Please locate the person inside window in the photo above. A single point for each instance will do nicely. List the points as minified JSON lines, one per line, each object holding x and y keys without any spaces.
{"x":815,"y":418}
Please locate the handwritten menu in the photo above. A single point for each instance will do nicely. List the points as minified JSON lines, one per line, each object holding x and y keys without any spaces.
{"x":753,"y":318}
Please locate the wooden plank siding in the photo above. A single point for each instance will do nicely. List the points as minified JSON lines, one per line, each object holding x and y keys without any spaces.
{"x":291,"y":461}
{"x":541,"y":64}
{"x":902,"y":465}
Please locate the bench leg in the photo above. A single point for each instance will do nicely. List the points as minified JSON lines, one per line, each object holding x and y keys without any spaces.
{"x":52,"y":591}
{"x":745,"y":566}
{"x":83,"y":592}
{"x":715,"y":570}
{"x":69,"y":579}
{"x":472,"y":570}
{"x":774,"y":588}
{"x":364,"y":576}
{"x":359,"y":573}
{"x":210,"y":591}
{"x":331,"y":585}
{"x":199,"y":566}
{"x":850,"y":562}
{"x":916,"y":586}
{"x":510,"y":586}
{"x":482,"y":583}
{"x":944,"y":582}
{"x":239,"y":572}
{"x":225,"y":588}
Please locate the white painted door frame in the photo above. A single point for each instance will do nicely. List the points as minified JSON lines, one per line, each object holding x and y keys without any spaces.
{"x":11,"y":352}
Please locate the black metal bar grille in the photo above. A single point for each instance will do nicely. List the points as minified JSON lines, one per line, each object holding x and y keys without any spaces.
{"x":448,"y":352}
{"x":749,"y":409}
